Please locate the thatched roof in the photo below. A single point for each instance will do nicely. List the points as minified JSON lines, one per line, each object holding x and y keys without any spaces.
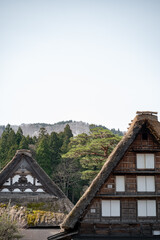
{"x":143,"y":118}
{"x":10,"y":168}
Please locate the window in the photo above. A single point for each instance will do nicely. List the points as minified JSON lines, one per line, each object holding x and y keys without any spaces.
{"x":93,"y":210}
{"x":156,"y":232}
{"x":120,"y":184}
{"x":145,"y":184}
{"x":146,"y":208}
{"x":110,"y":208}
{"x":145,"y":161}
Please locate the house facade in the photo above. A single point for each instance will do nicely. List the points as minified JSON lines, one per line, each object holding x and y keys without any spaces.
{"x":23,"y":181}
{"x":123,"y":201}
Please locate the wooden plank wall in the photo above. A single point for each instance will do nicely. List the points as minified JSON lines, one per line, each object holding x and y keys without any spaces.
{"x":128,"y":224}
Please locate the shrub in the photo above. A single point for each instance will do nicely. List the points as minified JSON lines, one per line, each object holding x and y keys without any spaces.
{"x":8,"y":228}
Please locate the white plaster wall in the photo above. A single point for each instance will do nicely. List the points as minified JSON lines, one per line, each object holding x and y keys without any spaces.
{"x":7,"y":183}
{"x":5,"y":190}
{"x":37,"y":183}
{"x":15,"y":179}
{"x":30,"y":179}
{"x":39,"y":190}
{"x":16,"y":190}
{"x":28,"y":190}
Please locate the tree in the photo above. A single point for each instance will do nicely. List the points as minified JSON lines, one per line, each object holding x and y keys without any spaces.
{"x":55,"y":144}
{"x":8,"y":145}
{"x":48,"y":150}
{"x":92,"y":150}
{"x":19,"y":135}
{"x":66,"y":136}
{"x":43,"y":152}
{"x":67,"y":176}
{"x":31,"y":140}
{"x":23,"y":143}
{"x":42,"y":133}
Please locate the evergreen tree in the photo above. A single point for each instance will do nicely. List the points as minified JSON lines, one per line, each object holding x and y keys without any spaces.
{"x":23,"y":143}
{"x":19,"y":135}
{"x":67,"y":134}
{"x":92,"y":150}
{"x":55,"y":148}
{"x":31,"y":140}
{"x":8,"y":145}
{"x":43,"y":154}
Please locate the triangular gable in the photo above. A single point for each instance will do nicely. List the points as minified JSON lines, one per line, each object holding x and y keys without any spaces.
{"x":152,"y":124}
{"x":23,"y":174}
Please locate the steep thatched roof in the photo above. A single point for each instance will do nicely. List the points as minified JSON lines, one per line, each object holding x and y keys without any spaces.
{"x":10,"y":168}
{"x":151,"y":122}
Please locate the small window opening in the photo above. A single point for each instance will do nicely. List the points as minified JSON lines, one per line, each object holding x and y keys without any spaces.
{"x":144,"y":136}
{"x":156,"y":232}
{"x":93,"y":210}
{"x":109,"y":186}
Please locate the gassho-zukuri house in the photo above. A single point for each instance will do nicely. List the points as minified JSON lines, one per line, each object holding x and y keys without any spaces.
{"x":123,"y":201}
{"x":23,"y":181}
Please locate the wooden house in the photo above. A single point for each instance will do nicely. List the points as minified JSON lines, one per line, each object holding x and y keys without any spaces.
{"x":123,"y":201}
{"x":23,"y":181}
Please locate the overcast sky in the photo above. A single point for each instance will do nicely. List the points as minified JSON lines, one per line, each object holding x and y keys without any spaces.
{"x":96,"y":61}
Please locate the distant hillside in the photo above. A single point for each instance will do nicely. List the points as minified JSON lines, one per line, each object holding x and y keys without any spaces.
{"x":76,"y":127}
{"x":118,"y":132}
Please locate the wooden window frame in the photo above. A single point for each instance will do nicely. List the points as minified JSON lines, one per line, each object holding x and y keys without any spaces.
{"x":116,"y":184}
{"x":145,"y":168}
{"x":111,"y":215}
{"x":147,"y":208}
{"x":145,"y":184}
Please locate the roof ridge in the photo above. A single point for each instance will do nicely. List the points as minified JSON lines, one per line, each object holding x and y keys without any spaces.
{"x":24,"y":151}
{"x":113,"y":159}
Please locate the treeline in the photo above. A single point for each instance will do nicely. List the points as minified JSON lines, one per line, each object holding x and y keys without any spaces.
{"x":72,"y":162}
{"x":113,"y":130}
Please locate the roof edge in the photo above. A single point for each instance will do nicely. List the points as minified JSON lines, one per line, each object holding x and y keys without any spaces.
{"x":111,"y":162}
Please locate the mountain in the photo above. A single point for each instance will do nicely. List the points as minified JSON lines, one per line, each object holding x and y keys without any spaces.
{"x":33,"y":129}
{"x":76,"y":127}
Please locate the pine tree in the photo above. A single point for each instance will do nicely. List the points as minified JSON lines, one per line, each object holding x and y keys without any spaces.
{"x":92,"y":150}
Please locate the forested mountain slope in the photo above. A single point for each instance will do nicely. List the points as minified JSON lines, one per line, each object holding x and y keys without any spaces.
{"x":76,"y":127}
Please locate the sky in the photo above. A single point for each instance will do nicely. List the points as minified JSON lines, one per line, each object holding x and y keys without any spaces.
{"x":96,"y":61}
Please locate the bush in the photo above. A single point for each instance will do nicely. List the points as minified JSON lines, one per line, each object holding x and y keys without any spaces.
{"x":8,"y":228}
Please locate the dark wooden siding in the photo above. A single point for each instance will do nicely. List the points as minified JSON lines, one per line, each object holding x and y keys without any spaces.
{"x":128,"y":224}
